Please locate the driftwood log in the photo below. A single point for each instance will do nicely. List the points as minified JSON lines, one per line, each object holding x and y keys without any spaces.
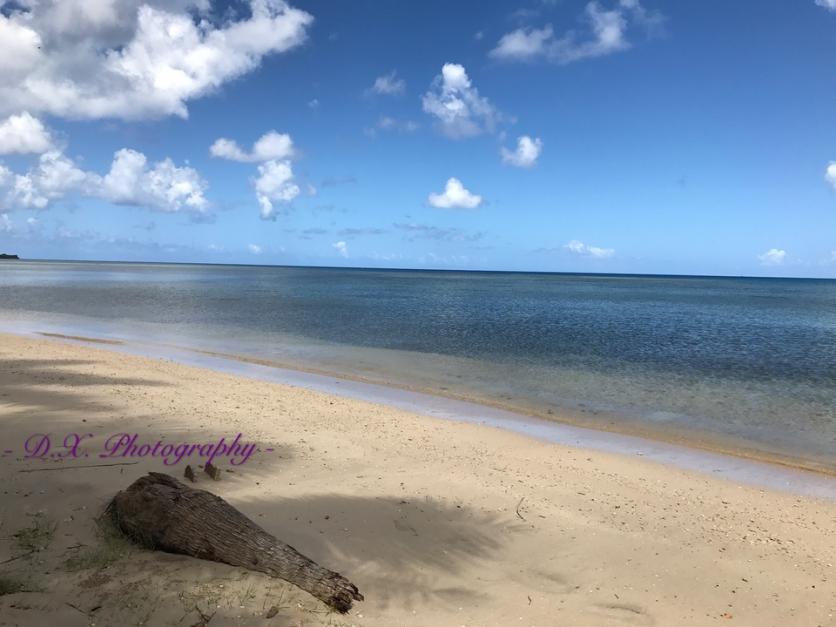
{"x":159,"y":512}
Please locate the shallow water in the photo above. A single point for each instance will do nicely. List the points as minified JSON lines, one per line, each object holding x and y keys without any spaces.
{"x":747,"y":361}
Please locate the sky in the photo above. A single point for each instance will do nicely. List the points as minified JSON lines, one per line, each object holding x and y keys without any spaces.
{"x":625,"y":136}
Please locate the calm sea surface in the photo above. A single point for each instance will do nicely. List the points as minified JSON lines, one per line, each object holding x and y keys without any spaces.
{"x":744,"y":361}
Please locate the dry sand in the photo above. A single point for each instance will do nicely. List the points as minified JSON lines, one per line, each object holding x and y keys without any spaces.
{"x":438,"y":523}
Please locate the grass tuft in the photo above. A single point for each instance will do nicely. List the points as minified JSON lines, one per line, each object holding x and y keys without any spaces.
{"x":10,"y":585}
{"x":112,"y":547}
{"x":37,"y":536}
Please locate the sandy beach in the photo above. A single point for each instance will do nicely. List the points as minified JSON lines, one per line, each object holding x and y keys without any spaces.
{"x":438,"y":523}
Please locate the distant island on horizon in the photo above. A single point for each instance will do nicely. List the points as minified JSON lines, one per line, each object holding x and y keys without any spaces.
{"x":7,"y":256}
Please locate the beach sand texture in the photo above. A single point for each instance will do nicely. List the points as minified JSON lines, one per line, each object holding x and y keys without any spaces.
{"x":438,"y":523}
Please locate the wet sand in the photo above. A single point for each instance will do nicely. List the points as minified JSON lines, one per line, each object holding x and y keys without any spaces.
{"x":438,"y":522}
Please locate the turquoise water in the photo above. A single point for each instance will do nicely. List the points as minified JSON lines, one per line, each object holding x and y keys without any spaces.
{"x":747,"y":360}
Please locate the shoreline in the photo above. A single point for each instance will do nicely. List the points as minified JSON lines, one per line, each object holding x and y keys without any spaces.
{"x":678,"y":436}
{"x":751,"y":467}
{"x":753,"y":420}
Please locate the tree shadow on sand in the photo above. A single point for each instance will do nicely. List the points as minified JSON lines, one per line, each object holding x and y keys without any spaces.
{"x":400,"y":551}
{"x":28,"y":381}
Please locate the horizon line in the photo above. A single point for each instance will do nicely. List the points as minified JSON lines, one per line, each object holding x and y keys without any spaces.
{"x":408,"y":269}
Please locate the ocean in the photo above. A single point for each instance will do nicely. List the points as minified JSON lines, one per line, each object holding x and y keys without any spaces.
{"x":738,"y":364}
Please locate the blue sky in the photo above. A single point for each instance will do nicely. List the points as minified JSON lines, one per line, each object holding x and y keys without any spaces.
{"x":610,"y":136}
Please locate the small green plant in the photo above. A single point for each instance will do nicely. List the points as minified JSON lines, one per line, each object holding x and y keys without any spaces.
{"x":37,"y":536}
{"x":112,"y":547}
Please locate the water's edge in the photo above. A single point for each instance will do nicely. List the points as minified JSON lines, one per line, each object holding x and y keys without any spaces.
{"x":727,"y":466}
{"x":734,"y":366}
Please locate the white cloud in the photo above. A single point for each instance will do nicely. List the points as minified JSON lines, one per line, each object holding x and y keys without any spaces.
{"x":830,"y":172}
{"x":53,"y":176}
{"x":274,"y":184}
{"x":773,"y":257}
{"x":164,"y":186}
{"x":455,"y":196}
{"x":388,"y":85}
{"x":255,"y":249}
{"x":20,"y":50}
{"x":224,"y":148}
{"x":271,"y":145}
{"x":5,"y":223}
{"x":313,"y":104}
{"x":341,"y":248}
{"x":830,"y":5}
{"x":457,"y":105}
{"x":607,"y":34}
{"x":132,"y":59}
{"x":523,"y":44}
{"x":23,"y":134}
{"x":579,"y":248}
{"x":526,"y":153}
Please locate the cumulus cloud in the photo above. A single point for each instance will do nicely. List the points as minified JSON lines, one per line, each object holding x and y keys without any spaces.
{"x":163,"y":186}
{"x":274,"y":184}
{"x":526,"y":153}
{"x":579,"y":248}
{"x":455,"y":196}
{"x":523,"y":44}
{"x":456,"y":104}
{"x":50,"y":179}
{"x":271,"y":145}
{"x":341,"y":248}
{"x":607,"y":33}
{"x":255,"y":249}
{"x":773,"y":257}
{"x":830,"y":172}
{"x":132,"y":59}
{"x":830,"y":5}
{"x":388,"y":85}
{"x":130,"y":181}
{"x":5,"y":223}
{"x":23,"y":134}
